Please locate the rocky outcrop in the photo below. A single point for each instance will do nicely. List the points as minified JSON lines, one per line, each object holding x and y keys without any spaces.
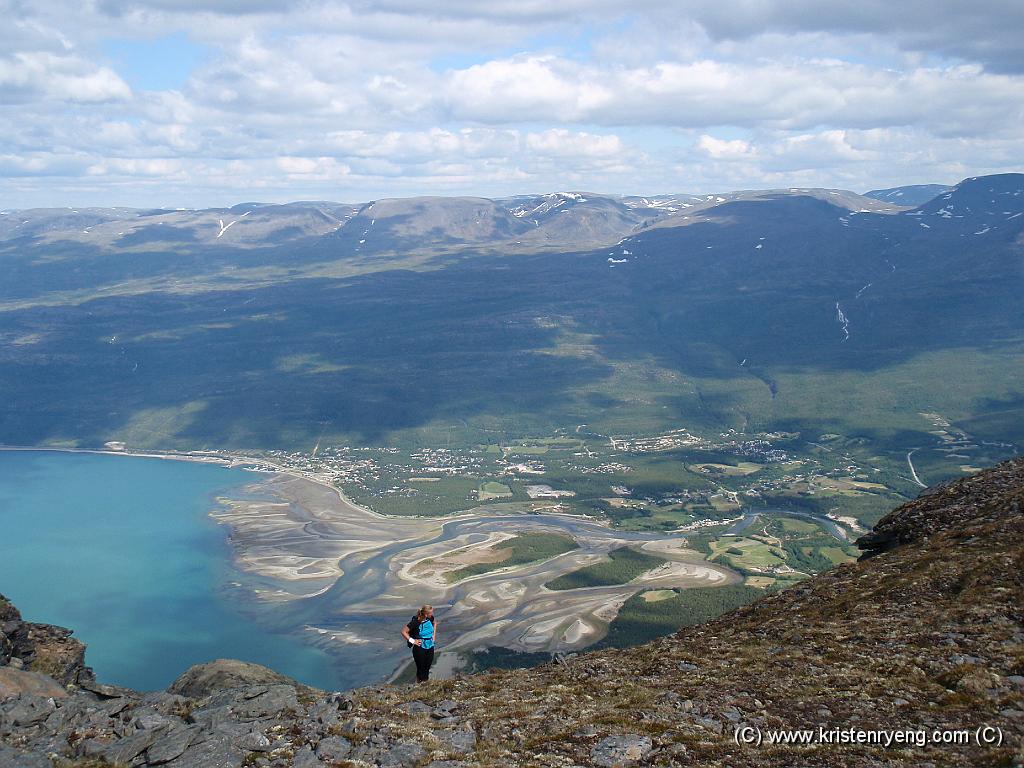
{"x":958,"y":505}
{"x":926,"y":638}
{"x":14,"y":682}
{"x":41,"y":648}
{"x":221,"y":674}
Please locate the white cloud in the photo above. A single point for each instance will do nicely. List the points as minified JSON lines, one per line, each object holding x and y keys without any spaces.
{"x":525,"y":88}
{"x":26,"y":76}
{"x":987,"y":31}
{"x":725,"y":149}
{"x":122,"y":166}
{"x":367,"y":99}
{"x":43,"y":164}
{"x":707,"y":93}
{"x":313,"y":168}
{"x":562,"y":143}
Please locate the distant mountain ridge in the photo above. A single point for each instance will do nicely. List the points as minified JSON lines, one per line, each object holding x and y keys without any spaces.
{"x":558,"y":220}
{"x":911,"y":195}
{"x":564,"y":308}
{"x":555,"y":220}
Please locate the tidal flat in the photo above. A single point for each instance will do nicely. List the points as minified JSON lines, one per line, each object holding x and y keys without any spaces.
{"x":163,"y":564}
{"x":349,"y":577}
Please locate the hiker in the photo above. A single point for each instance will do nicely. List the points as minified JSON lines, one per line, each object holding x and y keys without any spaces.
{"x":421,"y":635}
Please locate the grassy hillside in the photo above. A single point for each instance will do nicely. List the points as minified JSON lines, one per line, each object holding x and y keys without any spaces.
{"x":649,"y":615}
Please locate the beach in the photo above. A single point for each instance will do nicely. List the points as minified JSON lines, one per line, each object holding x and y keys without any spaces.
{"x":342,"y":577}
{"x":351,"y":575}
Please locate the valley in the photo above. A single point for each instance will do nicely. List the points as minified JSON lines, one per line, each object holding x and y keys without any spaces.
{"x":505,"y":392}
{"x":526,"y":384}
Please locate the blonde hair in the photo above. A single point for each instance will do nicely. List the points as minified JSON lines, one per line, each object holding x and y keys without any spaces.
{"x":424,"y":610}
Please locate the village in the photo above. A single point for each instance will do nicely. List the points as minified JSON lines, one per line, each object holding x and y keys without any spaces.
{"x":695,"y":474}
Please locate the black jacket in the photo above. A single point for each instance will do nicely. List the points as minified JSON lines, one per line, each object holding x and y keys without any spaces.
{"x":414,"y":629}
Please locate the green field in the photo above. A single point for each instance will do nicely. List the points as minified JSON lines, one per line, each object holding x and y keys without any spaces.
{"x":792,"y":525}
{"x":746,"y":553}
{"x":524,"y":548}
{"x":624,"y":565}
{"x":839,"y":554}
{"x":494,"y":490}
{"x":446,"y":495}
{"x":641,"y":620}
{"x":654,"y":518}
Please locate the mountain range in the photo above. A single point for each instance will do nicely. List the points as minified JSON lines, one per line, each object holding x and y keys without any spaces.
{"x":272,"y":325}
{"x":557,"y":220}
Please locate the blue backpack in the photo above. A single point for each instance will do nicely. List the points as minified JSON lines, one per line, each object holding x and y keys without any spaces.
{"x":415,"y":634}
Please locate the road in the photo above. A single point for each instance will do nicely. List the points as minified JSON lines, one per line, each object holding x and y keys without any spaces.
{"x":913,"y":472}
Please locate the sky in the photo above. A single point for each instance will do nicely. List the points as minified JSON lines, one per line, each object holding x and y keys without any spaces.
{"x":198,"y":103}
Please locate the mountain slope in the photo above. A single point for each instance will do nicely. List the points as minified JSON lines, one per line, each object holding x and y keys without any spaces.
{"x":812,"y":311}
{"x":241,"y":226}
{"x":911,"y":195}
{"x":924,"y":636}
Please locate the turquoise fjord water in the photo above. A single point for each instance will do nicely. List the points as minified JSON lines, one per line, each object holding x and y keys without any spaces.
{"x":121,"y":549}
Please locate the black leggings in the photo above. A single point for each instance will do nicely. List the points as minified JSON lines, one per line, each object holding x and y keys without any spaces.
{"x":423,"y":657}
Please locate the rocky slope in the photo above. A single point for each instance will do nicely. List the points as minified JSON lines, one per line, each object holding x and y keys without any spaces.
{"x":43,"y":648}
{"x":923,"y":637}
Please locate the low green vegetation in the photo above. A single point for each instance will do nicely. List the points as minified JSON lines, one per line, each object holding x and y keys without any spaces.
{"x":623,"y":565}
{"x":806,"y":547}
{"x":524,"y":548}
{"x":641,"y":620}
{"x":438,"y":497}
{"x":744,"y":553}
{"x":701,"y":541}
{"x":808,"y":559}
{"x":501,"y":658}
{"x":791,"y":525}
{"x":838,"y":554}
{"x":494,"y":490}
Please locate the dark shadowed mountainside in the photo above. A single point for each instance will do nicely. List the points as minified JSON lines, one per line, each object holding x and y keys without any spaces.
{"x":410,"y":321}
{"x":911,"y":195}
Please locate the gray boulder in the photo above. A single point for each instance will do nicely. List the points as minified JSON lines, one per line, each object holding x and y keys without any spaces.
{"x":254,"y":741}
{"x":264,"y":701}
{"x":616,"y":751}
{"x":127,"y":749}
{"x":26,"y":710}
{"x":205,"y":679}
{"x":304,"y":758}
{"x":215,"y":750}
{"x":12,"y":758}
{"x":402,"y":754}
{"x":169,"y":745}
{"x":333,"y":749}
{"x":17,"y":681}
{"x":462,"y":740}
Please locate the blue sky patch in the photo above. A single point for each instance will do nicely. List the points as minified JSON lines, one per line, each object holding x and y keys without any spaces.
{"x":161,"y":64}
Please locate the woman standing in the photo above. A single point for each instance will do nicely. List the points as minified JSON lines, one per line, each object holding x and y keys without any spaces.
{"x":421,"y":634}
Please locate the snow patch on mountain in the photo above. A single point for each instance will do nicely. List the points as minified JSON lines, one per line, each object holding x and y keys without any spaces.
{"x":843,"y":321}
